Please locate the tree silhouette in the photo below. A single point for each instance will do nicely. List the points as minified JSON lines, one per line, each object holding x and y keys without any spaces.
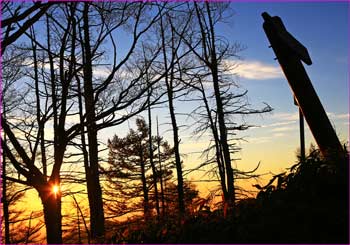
{"x":128,"y":174}
{"x":171,"y":45}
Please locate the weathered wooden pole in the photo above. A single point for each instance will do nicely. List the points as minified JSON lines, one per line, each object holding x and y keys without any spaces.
{"x":290,"y":52}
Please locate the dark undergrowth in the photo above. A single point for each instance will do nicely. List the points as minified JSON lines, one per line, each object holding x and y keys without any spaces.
{"x":309,"y":204}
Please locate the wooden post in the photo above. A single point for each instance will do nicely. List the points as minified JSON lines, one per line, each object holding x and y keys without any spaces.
{"x":289,"y":53}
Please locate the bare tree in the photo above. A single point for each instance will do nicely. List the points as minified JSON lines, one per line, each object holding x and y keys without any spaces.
{"x":171,"y":45}
{"x":220,"y":104}
{"x":151,"y":155}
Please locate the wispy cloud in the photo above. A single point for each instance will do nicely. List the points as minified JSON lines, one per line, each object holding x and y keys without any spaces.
{"x":277,"y":124}
{"x":293,"y":116}
{"x":259,"y":140}
{"x":254,"y":70}
{"x":282,"y":129}
{"x":102,"y":72}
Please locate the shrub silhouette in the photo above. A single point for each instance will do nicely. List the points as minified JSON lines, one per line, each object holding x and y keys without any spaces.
{"x":308,"y":205}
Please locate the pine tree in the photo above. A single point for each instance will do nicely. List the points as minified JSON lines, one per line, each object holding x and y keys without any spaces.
{"x":129,"y":176}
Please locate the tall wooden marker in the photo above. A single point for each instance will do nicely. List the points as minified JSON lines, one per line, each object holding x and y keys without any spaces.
{"x":290,"y":52}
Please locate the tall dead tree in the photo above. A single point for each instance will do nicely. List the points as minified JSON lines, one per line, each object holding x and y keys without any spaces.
{"x":92,"y":174}
{"x":210,"y":55}
{"x":154,"y":170}
{"x":160,"y":175}
{"x":170,"y":50}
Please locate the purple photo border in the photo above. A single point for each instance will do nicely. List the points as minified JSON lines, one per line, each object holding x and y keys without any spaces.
{"x":253,"y":1}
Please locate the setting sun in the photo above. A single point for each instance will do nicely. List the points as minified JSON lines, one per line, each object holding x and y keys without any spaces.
{"x":55,"y":189}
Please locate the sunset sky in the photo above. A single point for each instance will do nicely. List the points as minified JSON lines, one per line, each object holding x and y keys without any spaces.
{"x":323,"y":29}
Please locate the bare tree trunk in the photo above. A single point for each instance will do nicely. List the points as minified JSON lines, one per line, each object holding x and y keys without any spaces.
{"x":154,"y":171}
{"x":84,"y":147}
{"x":221,"y":117}
{"x":223,"y":140}
{"x":93,"y":181}
{"x":79,"y":235}
{"x":178,"y":164}
{"x":82,"y":217}
{"x":41,"y":124}
{"x":52,"y":214}
{"x":144,"y":189}
{"x":4,"y":197}
{"x":4,"y":187}
{"x":160,"y":171}
{"x":218,"y":151}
